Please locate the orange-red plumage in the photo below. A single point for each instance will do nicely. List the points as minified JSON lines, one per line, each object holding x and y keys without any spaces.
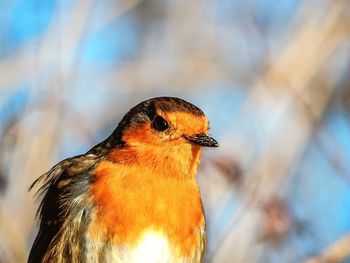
{"x":133,"y":191}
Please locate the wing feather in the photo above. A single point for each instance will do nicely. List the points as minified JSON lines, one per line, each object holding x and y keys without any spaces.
{"x":64,"y":205}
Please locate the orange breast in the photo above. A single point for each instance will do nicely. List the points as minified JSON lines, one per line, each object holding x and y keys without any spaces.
{"x":131,"y":200}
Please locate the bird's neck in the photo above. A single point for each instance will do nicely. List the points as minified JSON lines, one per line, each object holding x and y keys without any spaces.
{"x":173,"y":161}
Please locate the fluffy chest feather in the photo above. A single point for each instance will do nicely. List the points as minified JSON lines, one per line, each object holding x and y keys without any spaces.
{"x":137,"y":213}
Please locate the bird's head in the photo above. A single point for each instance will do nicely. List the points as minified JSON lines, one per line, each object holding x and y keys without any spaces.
{"x":163,"y":131}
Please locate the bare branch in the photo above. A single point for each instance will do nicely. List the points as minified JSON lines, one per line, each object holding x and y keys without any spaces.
{"x":336,"y":253}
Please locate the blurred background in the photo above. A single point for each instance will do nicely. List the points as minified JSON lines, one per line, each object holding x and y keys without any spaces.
{"x":272,"y":76}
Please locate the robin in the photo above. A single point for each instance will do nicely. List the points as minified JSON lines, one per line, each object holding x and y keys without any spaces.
{"x":131,"y":198}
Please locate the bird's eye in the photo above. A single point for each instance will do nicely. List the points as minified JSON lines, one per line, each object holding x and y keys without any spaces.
{"x":159,"y":124}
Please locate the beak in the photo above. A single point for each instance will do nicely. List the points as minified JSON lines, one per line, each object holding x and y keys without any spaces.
{"x":202,"y":140}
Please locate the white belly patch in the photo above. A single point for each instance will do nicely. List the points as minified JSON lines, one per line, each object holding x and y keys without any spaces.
{"x":152,"y":247}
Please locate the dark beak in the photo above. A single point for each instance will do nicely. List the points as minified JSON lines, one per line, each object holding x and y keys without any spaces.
{"x":202,"y":139}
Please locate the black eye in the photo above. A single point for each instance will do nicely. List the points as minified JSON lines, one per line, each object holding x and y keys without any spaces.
{"x":159,"y":124}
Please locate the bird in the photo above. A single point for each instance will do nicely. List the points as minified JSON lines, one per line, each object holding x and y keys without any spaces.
{"x":131,"y":198}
